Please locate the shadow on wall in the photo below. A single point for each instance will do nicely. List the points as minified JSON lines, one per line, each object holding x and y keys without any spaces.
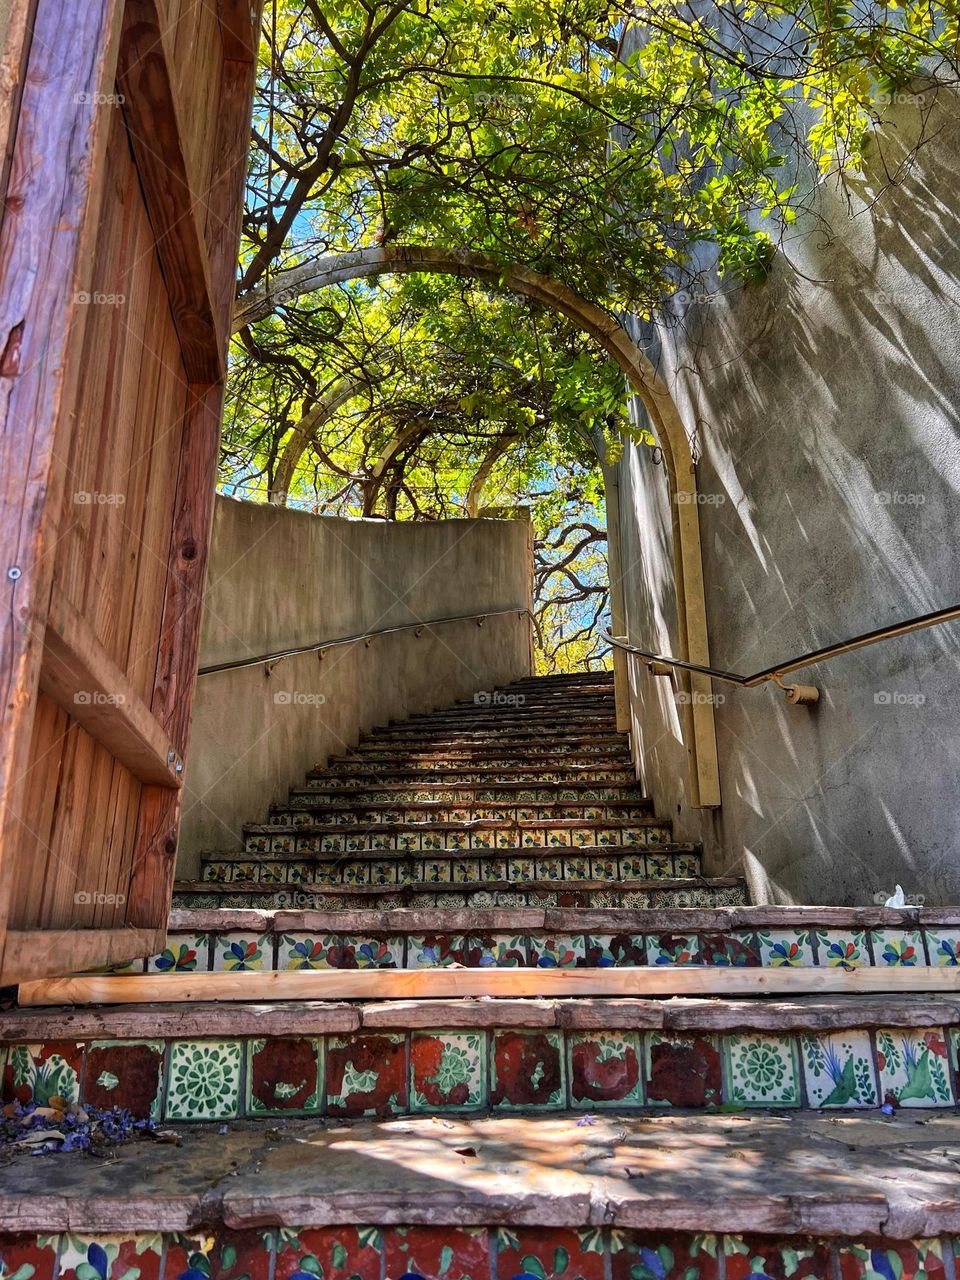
{"x":826,"y":405}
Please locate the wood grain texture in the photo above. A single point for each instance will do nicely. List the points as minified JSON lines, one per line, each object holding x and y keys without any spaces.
{"x":85,"y":947}
{"x":341,"y":984}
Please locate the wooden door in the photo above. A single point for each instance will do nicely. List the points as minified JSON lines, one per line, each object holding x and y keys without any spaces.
{"x":125,"y":140}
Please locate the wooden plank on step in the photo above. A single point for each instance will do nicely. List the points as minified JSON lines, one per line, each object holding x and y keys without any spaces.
{"x":79,"y":675}
{"x":31,"y":949}
{"x":155,"y":122}
{"x":393,"y":984}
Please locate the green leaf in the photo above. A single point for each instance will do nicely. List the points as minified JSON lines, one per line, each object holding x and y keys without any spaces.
{"x":533,"y":1266}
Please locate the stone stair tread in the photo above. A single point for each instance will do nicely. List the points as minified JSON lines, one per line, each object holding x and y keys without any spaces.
{"x":848,"y":1177}
{"x":469,"y":886}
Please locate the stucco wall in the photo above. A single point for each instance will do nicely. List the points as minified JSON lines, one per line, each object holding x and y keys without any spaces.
{"x":279,"y":579}
{"x":825,"y":407}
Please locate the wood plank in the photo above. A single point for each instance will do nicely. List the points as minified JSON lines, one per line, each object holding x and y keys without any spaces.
{"x":367,"y":984}
{"x":46,"y":262}
{"x":81,"y":678}
{"x":33,"y":951}
{"x":240,"y":28}
{"x":16,"y":34}
{"x":155,"y":122}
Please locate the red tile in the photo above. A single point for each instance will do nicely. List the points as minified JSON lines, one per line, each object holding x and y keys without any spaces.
{"x":900,"y":1259}
{"x":528,"y":1070}
{"x":437,"y":1253}
{"x":600,"y":1073}
{"x":366,"y":1075}
{"x":232,"y":1255}
{"x":32,"y":1076}
{"x":551,"y":1253}
{"x":136,"y":1070}
{"x":777,"y":1259}
{"x":664,"y":1256}
{"x":684,"y":1072}
{"x":341,"y":1253}
{"x":112,"y":1256}
{"x":25,"y":1251}
{"x":278,"y":1066}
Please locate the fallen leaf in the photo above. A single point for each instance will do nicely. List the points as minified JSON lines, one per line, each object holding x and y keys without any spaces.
{"x":465,"y":1151}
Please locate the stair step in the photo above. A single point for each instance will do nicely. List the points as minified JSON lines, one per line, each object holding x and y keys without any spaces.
{"x":720,"y":891}
{"x":203,"y":941}
{"x":449,"y":1056}
{"x":468,"y":794}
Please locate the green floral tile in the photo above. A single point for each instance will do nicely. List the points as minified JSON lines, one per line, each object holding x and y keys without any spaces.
{"x":184,"y":953}
{"x":840,"y":949}
{"x":308,"y":951}
{"x":943,"y":947}
{"x":838,"y":1070}
{"x":38,"y":1072}
{"x":671,"y":948}
{"x":786,"y":949}
{"x":897,"y":947}
{"x":448,"y":1070}
{"x":204,"y":1082}
{"x":549,"y":951}
{"x":913,"y":1067}
{"x":236,"y":952}
{"x":110,"y":1257}
{"x":761,"y":1071}
{"x":901,"y":1259}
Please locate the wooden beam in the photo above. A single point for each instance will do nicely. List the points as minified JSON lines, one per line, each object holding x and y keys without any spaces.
{"x":239,"y":29}
{"x":394,"y":984}
{"x":38,"y":951}
{"x":79,"y":675}
{"x":155,"y":124}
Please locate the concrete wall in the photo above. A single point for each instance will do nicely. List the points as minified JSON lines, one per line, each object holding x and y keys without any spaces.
{"x":826,"y":408}
{"x":280,"y":579}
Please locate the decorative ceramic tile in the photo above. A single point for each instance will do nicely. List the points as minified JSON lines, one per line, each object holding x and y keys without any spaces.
{"x":902,"y":1259}
{"x":549,"y":868}
{"x":184,"y":953}
{"x":111,"y":1257}
{"x":552,"y":952}
{"x":843,"y":949}
{"x":838,"y":1069}
{"x":786,"y":948}
{"x":605,"y":1068}
{"x":552,"y":1253}
{"x":382,"y":873}
{"x":308,"y":951}
{"x":913,"y":1067}
{"x":366,"y":1075}
{"x":284,"y":1076}
{"x":218,"y":872}
{"x":659,"y":866}
{"x":435,"y":950}
{"x":734,"y":950}
{"x":435,"y":1253}
{"x":779,"y":1259}
{"x":230,"y":1255}
{"x":371,"y":953}
{"x":620,"y":950}
{"x":493,"y":869}
{"x":273,"y":873}
{"x":28,"y":1257}
{"x":124,"y":1073}
{"x":943,"y":947}
{"x":436,"y":871}
{"x":356,"y":872}
{"x":633,"y":866}
{"x":240,"y":951}
{"x":686,"y":865}
{"x":671,"y":948}
{"x":521,"y":869}
{"x":527,"y":1070}
{"x":501,"y":951}
{"x":466,"y":871}
{"x":897,"y":947}
{"x":582,"y":838}
{"x":761,"y":1071}
{"x":448,"y":1070}
{"x":576,"y":868}
{"x":204,"y":1081}
{"x":665,"y":1256}
{"x":604,"y":869}
{"x":39,"y":1072}
{"x":682,"y":1071}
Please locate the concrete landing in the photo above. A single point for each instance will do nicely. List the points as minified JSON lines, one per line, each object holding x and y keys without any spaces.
{"x":836,"y":1175}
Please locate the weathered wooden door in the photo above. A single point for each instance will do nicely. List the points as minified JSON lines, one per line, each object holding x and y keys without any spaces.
{"x":125,"y":126}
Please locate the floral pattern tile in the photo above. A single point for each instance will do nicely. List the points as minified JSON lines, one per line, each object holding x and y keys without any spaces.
{"x":913,"y":1067}
{"x":843,"y":949}
{"x":184,"y":953}
{"x":125,"y":1073}
{"x":39,"y":1072}
{"x":616,"y":950}
{"x":671,"y":948}
{"x":838,"y":1069}
{"x":664,"y":1256}
{"x":786,"y":948}
{"x":366,"y":1075}
{"x":111,"y":1257}
{"x":761,"y":1071}
{"x":897,"y":947}
{"x":448,"y":1070}
{"x":730,"y":950}
{"x":528,"y":1070}
{"x":777,"y":1259}
{"x":943,"y":947}
{"x":308,"y":951}
{"x":371,"y":953}
{"x":328,"y":1253}
{"x":554,"y":1253}
{"x":501,"y":951}
{"x":436,"y":950}
{"x":436,"y":1253}
{"x":894,"y":1260}
{"x":28,"y":1257}
{"x":552,"y":952}
{"x":605,"y":1068}
{"x":682,"y":1071}
{"x":236,"y":952}
{"x":204,"y":1081}
{"x":230,"y":1255}
{"x":284,"y":1076}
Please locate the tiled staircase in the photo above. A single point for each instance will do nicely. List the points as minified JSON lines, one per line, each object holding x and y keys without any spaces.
{"x":613,"y":1138}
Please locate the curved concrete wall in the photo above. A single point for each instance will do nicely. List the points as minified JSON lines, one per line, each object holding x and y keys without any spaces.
{"x":279,"y":579}
{"x":826,"y":408}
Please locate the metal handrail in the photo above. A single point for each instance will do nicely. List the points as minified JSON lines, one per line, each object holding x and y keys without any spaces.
{"x":780,"y":669}
{"x":265,"y":658}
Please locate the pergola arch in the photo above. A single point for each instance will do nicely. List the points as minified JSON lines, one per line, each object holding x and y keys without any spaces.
{"x":611,"y":337}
